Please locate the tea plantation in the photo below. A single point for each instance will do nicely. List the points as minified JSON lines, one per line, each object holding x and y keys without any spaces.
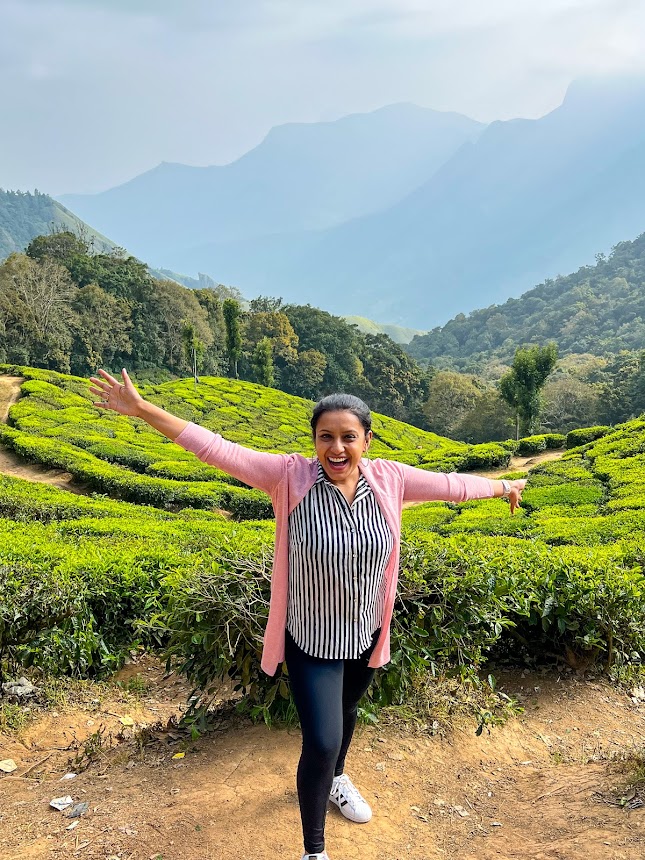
{"x":152,"y":561}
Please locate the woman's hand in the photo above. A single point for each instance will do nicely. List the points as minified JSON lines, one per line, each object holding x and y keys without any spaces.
{"x":120,"y":397}
{"x":515,"y":495}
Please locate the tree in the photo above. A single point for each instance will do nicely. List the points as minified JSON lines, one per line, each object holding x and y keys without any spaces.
{"x":42,"y":295}
{"x":450,"y":397}
{"x":569,"y":403}
{"x":193,"y":347}
{"x":101,"y":330}
{"x":232,"y":315}
{"x":489,"y":420}
{"x":338,"y":341}
{"x":394,"y":382}
{"x":521,"y":386}
{"x":264,"y":304}
{"x":61,"y":246}
{"x":262,"y":362}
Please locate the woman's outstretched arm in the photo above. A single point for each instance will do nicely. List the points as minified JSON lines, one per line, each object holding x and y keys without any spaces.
{"x":255,"y":468}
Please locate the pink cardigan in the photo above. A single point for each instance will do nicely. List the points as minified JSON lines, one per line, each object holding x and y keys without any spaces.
{"x":287,"y":478}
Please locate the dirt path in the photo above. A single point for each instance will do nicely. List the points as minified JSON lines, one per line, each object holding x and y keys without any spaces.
{"x":542,"y":787}
{"x":524,"y":464}
{"x":16,"y":467}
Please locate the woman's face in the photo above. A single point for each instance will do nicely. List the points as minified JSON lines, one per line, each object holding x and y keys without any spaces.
{"x":340,"y":441}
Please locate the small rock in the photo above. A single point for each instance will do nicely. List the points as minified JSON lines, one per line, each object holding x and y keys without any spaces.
{"x":461,"y":811}
{"x":8,"y":765}
{"x":78,"y":810}
{"x":72,"y":825}
{"x":67,"y":776}
{"x":380,"y":766}
{"x":439,"y":802}
{"x":496,"y":824}
{"x":20,"y":689}
{"x":61,"y":803}
{"x":396,"y":756}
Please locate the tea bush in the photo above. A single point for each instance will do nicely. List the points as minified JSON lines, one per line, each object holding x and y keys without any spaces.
{"x":83,"y":579}
{"x":585,"y":435}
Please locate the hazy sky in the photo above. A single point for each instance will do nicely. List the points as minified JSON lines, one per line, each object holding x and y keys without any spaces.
{"x":95,"y":91}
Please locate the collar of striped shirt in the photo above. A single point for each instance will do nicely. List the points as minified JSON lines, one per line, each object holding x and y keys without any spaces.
{"x":362,"y":487}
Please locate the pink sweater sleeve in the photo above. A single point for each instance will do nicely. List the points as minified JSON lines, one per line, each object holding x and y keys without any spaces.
{"x":422,"y":486}
{"x":255,"y":468}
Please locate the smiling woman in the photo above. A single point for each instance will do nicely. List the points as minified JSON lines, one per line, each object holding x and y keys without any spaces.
{"x":338,"y":525}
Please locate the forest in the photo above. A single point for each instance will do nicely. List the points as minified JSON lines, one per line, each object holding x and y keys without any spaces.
{"x":68,"y":307}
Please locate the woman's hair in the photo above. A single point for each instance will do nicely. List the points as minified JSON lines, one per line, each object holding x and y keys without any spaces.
{"x":342,"y":403}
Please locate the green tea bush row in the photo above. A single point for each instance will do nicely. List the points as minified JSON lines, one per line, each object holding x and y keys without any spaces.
{"x":536,"y":444}
{"x":130,"y":486}
{"x":586,"y":434}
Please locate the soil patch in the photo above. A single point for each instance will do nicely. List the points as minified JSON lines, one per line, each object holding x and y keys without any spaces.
{"x":17,"y":467}
{"x":541,"y":787}
{"x":524,"y":464}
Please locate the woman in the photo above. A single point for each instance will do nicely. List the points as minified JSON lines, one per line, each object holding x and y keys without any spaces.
{"x":338,"y":523}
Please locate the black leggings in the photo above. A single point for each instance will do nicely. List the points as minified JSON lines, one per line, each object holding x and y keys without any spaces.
{"x":326,"y":694}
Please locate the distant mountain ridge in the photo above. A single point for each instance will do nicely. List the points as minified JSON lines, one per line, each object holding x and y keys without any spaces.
{"x":25,"y":215}
{"x":515,"y":203}
{"x":527,"y":200}
{"x":302,"y":176}
{"x":599,"y":309}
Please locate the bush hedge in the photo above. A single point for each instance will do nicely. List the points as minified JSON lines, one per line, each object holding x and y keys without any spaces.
{"x":585,"y":435}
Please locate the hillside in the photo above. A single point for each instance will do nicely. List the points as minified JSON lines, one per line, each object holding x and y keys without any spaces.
{"x":599,"y":309}
{"x":25,"y":215}
{"x":529,"y":199}
{"x":399,"y":334}
{"x":301,"y":176}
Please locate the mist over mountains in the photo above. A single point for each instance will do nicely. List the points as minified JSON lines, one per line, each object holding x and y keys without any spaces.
{"x":404,"y":215}
{"x":302,"y":176}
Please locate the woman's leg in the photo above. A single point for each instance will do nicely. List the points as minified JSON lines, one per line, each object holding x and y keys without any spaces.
{"x":317,"y":687}
{"x":357,"y":677}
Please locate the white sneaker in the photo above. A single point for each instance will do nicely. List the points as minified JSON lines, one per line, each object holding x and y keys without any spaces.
{"x":322,"y":856}
{"x":349,"y":800}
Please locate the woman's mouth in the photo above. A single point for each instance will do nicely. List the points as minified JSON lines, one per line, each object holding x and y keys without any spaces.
{"x":337,"y":464}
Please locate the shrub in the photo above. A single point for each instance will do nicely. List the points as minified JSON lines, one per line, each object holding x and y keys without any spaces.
{"x":585,"y":435}
{"x":486,"y":456}
{"x":536,"y":444}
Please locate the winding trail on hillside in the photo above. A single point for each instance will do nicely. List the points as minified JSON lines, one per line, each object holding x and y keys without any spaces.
{"x":12,"y":464}
{"x":524,"y":464}
{"x":16,"y":467}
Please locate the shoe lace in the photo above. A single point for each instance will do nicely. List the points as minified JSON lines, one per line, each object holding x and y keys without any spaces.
{"x":346,"y":788}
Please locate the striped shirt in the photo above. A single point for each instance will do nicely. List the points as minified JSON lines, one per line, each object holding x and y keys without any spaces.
{"x":337,"y":557}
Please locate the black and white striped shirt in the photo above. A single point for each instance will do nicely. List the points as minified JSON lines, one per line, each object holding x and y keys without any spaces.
{"x":337,"y":557}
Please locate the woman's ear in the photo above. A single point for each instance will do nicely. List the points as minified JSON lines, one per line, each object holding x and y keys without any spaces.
{"x":368,"y":439}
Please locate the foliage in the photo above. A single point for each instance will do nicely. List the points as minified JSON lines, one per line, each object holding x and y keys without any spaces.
{"x":521,"y":386}
{"x":585,"y":435}
{"x":540,"y":442}
{"x":599,"y":309}
{"x":86,"y":578}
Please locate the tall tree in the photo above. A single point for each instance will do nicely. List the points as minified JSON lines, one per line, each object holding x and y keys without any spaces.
{"x":262,"y":362}
{"x":521,"y":386}
{"x":232,"y":318}
{"x":451,"y":396}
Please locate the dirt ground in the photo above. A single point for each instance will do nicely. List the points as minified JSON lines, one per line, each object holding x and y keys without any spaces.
{"x":547,"y":785}
{"x":13,"y":465}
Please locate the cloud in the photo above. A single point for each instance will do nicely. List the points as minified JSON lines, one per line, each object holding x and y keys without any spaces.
{"x":96,"y":91}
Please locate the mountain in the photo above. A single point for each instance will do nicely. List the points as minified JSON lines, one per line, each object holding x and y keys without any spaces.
{"x":599,"y":309}
{"x":25,"y":215}
{"x":399,"y":334}
{"x":527,"y":200}
{"x":302,"y":176}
